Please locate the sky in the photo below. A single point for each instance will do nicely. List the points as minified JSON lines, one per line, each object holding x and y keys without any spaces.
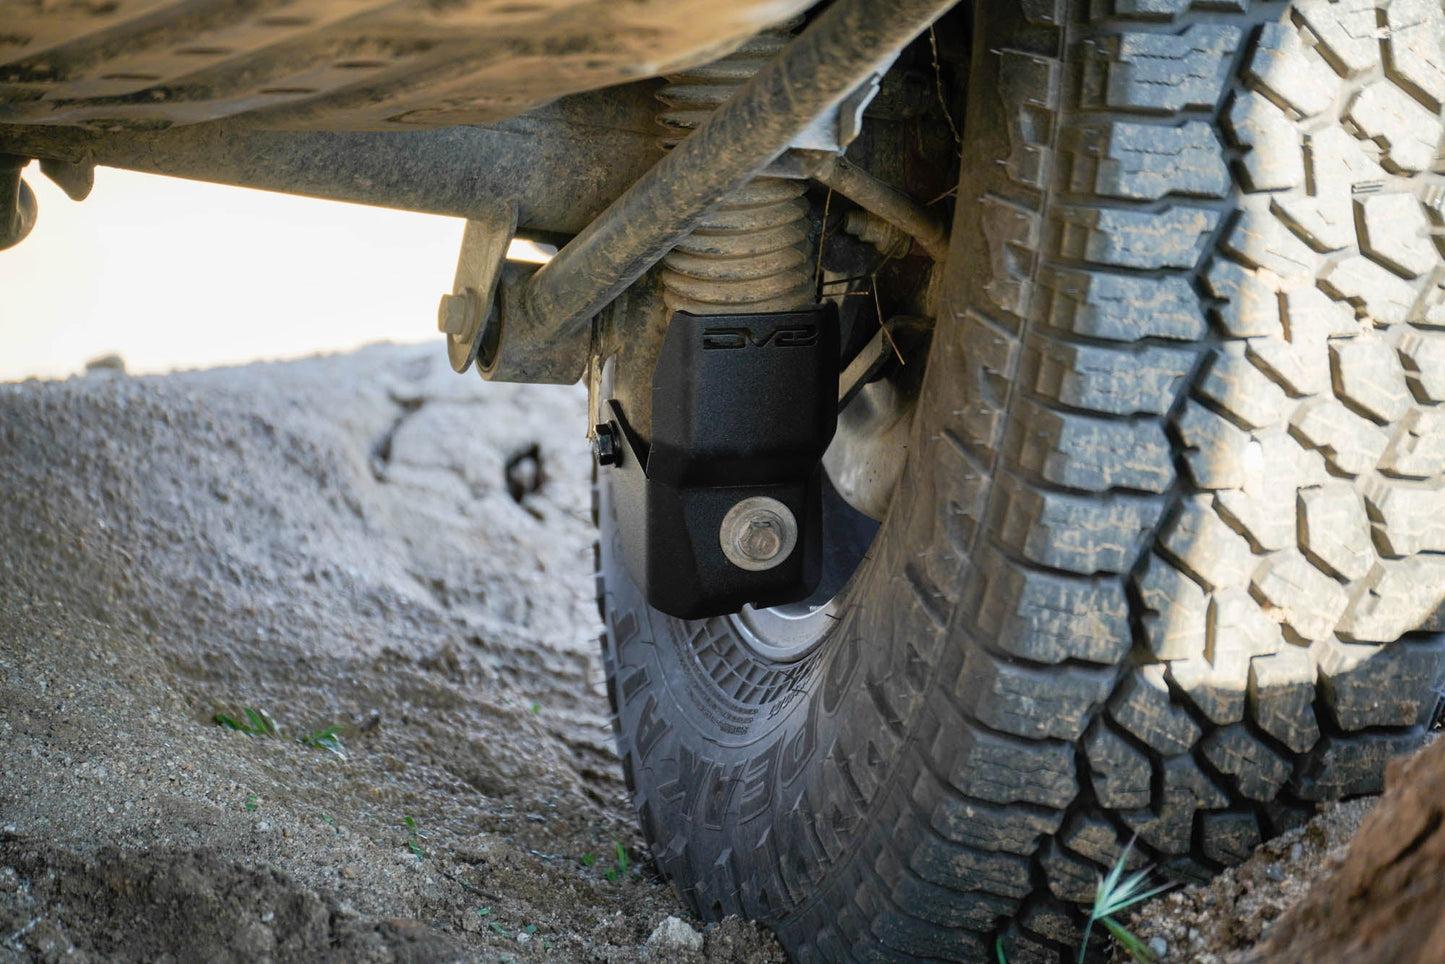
{"x":172,"y":274}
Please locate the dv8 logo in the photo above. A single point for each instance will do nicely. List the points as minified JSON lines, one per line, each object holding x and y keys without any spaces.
{"x":783,"y":336}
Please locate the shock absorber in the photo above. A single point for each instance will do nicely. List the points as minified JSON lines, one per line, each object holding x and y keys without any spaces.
{"x":748,"y":255}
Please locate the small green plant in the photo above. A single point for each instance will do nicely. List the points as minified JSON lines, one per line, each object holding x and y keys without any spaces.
{"x":327,"y":739}
{"x":1113,"y":896}
{"x":536,"y":707}
{"x":258,"y":722}
{"x":412,"y":834}
{"x":1116,"y":894}
{"x":483,"y":911}
{"x":620,"y":871}
{"x":251,"y":801}
{"x":499,"y":929}
{"x":588,"y":860}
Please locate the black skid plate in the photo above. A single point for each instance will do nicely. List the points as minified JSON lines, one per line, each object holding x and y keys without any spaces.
{"x":743,"y":406}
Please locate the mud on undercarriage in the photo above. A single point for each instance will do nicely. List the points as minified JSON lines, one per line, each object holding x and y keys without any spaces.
{"x":1019,"y":426}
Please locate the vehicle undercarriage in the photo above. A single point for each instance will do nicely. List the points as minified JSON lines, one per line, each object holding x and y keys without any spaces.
{"x":1019,"y":427}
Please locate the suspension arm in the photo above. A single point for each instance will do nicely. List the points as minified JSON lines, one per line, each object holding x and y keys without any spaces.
{"x":545,"y":326}
{"x":887,"y":202}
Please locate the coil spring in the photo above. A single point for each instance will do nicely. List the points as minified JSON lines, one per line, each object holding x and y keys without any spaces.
{"x":749,"y":253}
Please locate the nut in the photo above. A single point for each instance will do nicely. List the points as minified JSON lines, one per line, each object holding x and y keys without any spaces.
{"x":604,"y":445}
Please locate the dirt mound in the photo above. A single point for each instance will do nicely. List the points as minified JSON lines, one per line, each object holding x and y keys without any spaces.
{"x":1385,"y":900}
{"x":367,"y":543}
{"x":200,"y":906}
{"x":1222,"y":920}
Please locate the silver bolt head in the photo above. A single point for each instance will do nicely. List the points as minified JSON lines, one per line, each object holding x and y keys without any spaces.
{"x":762,"y":540}
{"x":758,"y":534}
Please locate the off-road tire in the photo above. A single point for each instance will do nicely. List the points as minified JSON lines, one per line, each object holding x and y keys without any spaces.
{"x":1169,"y":556}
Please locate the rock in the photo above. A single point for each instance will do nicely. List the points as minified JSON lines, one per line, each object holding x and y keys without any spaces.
{"x":1159,"y":946}
{"x":106,"y":363}
{"x":673,"y":935}
{"x":1384,"y":898}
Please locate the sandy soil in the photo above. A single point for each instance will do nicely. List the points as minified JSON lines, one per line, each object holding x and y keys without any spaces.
{"x":372,"y":543}
{"x":334,"y":542}
{"x":1223,"y":921}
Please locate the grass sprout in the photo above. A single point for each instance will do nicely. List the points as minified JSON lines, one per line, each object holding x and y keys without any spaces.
{"x":412,"y":834}
{"x":326,"y":739}
{"x":257,"y":722}
{"x":1116,"y":894}
{"x":1136,"y":948}
{"x":620,"y":871}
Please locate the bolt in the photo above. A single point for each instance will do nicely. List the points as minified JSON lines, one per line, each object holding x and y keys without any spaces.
{"x":758,"y":533}
{"x":604,"y":445}
{"x":883,"y":235}
{"x":762,"y":540}
{"x":454,"y":311}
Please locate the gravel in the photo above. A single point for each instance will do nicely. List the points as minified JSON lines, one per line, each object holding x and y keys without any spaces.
{"x":1219,"y":922}
{"x":372,"y":543}
{"x":332,"y":541}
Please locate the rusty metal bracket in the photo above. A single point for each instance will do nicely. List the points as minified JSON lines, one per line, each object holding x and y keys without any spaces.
{"x":76,"y":180}
{"x":464,"y":315}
